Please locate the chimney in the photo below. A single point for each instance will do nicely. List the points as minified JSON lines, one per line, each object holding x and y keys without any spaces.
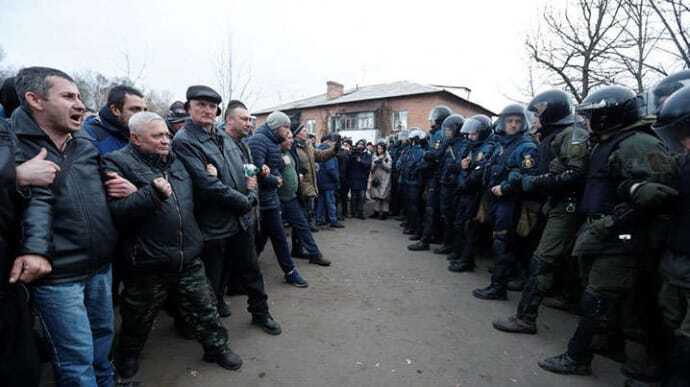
{"x":334,"y":89}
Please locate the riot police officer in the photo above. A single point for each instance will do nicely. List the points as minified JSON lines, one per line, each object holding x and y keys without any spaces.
{"x":673,"y":125}
{"x":410,"y":166}
{"x":478,"y":150}
{"x":561,"y":168}
{"x":432,"y":219}
{"x":450,"y":166}
{"x":624,"y":159}
{"x":516,"y":152}
{"x":396,"y":150}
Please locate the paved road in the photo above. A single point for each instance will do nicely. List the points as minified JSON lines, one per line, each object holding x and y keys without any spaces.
{"x":380,"y":316}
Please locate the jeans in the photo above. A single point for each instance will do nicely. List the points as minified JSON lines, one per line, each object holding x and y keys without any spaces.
{"x":325,"y":208}
{"x":272,"y":227}
{"x":77,"y":318}
{"x":357,"y":198}
{"x":301,"y":233}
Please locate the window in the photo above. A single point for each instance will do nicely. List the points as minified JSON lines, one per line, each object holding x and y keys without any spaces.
{"x":310,"y":126}
{"x":399,"y":120}
{"x":352,"y":121}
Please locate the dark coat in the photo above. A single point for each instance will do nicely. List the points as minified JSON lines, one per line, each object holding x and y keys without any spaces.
{"x":265,"y":147}
{"x":106,"y":131}
{"x":358,"y":173}
{"x":222,"y":203}
{"x":69,"y":223}
{"x":160,"y":234}
{"x":328,"y":175}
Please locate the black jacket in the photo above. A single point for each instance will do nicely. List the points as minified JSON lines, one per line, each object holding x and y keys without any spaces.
{"x":158,"y":233}
{"x":8,"y":218}
{"x":266,"y":150}
{"x":69,"y":222}
{"x":222,"y":204}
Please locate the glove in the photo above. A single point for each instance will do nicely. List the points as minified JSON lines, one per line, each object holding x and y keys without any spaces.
{"x":650,"y":195}
{"x":514,"y":177}
{"x":602,"y":228}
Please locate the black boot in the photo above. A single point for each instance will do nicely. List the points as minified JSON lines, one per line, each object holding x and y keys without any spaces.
{"x":267,"y":323}
{"x":384,"y":216}
{"x":443,"y":250}
{"x":461,"y":265}
{"x":126,"y":365}
{"x":565,"y":365}
{"x":228,"y":360}
{"x":419,"y":246}
{"x":491,"y":292}
{"x":374,"y":215}
{"x":678,"y":373}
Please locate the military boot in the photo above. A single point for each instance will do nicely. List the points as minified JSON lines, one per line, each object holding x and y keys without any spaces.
{"x":461,"y":265}
{"x":513,"y":324}
{"x":525,"y":319}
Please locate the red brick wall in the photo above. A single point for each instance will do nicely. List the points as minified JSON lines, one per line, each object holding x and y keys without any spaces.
{"x":417,"y":106}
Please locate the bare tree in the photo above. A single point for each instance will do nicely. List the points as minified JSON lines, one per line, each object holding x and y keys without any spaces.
{"x":234,"y":78}
{"x":576,"y":48}
{"x":639,"y":56}
{"x":94,"y":88}
{"x":675,"y":15}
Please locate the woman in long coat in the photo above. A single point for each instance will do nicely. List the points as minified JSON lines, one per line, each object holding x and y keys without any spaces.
{"x":380,"y":181}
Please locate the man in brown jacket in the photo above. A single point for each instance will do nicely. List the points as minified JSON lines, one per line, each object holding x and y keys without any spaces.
{"x":308,"y":156}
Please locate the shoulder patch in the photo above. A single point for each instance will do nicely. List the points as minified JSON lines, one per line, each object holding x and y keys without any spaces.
{"x":528,"y":162}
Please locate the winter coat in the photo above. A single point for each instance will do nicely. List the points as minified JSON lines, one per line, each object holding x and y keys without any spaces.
{"x":265,"y":147}
{"x":380,"y":178}
{"x":69,"y":222}
{"x":159,"y":233}
{"x":222,"y":204}
{"x":328,"y":175}
{"x":107,"y":133}
{"x":308,"y":156}
{"x":358,"y":173}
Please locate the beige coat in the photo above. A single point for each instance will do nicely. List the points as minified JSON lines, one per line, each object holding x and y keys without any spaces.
{"x":382,"y":172}
{"x":308,"y":156}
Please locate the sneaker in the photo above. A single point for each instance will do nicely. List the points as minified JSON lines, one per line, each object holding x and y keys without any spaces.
{"x":513,"y":324}
{"x":565,"y":365}
{"x":295,"y":279}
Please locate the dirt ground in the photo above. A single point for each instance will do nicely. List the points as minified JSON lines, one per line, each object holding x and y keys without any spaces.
{"x":379,"y":316}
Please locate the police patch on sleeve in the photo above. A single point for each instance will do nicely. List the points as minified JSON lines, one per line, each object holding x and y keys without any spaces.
{"x":528,"y":162}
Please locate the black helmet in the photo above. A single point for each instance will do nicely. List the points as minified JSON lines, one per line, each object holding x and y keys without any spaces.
{"x":478,"y":124}
{"x":509,"y":111}
{"x":610,"y":108}
{"x":673,"y":120}
{"x":438,"y":114}
{"x":176,"y":113}
{"x":668,"y":86}
{"x":553,"y":108}
{"x":454,"y":123}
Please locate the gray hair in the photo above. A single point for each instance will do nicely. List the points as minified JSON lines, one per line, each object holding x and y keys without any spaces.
{"x":35,"y":80}
{"x":139,"y":121}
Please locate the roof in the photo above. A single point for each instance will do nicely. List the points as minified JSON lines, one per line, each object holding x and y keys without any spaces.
{"x":371,"y":92}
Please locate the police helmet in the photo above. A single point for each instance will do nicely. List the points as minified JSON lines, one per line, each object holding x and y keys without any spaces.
{"x":453,"y":123}
{"x":512,"y":110}
{"x":673,"y":119}
{"x":477,"y":124}
{"x":553,"y":108}
{"x":610,"y":108}
{"x":438,"y":114}
{"x":668,"y":86}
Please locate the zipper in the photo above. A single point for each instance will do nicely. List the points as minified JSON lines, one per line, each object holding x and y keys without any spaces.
{"x":179,"y":229}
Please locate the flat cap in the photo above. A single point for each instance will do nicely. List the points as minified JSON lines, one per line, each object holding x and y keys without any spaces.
{"x":204,"y":93}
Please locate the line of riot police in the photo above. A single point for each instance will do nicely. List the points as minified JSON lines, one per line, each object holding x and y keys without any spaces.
{"x":583,"y":207}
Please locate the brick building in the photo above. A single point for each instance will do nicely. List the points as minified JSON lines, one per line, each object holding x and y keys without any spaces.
{"x":374,"y":111}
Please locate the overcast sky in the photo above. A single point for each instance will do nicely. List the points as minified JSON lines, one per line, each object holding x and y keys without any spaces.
{"x":291,"y":47}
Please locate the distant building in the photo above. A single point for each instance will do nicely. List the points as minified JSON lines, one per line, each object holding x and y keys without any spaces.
{"x":374,"y":111}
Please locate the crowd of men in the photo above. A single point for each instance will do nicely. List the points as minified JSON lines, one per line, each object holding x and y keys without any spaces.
{"x":581,"y":207}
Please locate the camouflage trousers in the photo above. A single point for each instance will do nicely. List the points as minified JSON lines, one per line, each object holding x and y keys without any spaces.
{"x":554,"y":248}
{"x":146,"y":293}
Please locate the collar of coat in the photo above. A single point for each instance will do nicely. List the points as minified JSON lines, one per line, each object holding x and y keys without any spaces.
{"x":23,"y":124}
